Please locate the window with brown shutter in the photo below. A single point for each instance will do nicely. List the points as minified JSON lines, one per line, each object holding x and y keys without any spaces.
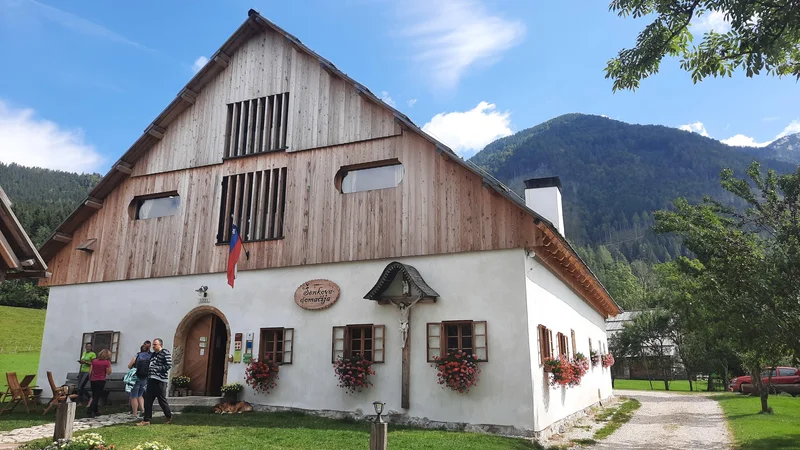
{"x":563,"y":345}
{"x":367,"y":340}
{"x":574,"y":349}
{"x":276,"y":345}
{"x":102,"y":340}
{"x":465,"y":335}
{"x":545,"y":343}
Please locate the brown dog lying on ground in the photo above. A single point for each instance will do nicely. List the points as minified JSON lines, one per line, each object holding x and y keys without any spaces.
{"x":233,"y":408}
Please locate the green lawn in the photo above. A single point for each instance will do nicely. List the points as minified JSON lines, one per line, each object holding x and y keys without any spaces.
{"x":193,"y":430}
{"x":23,"y":364}
{"x":754,"y":431}
{"x":658,"y":385}
{"x":26,"y":330}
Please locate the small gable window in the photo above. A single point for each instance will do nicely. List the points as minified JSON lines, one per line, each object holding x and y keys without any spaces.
{"x":371,"y":176}
{"x":160,"y":205}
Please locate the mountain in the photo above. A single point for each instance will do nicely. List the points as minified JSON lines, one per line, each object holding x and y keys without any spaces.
{"x":615,"y":174}
{"x":43,"y":198}
{"x":786,"y":149}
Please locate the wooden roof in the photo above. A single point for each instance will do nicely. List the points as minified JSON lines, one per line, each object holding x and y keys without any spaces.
{"x":410,"y":275}
{"x":218,"y":62}
{"x":18,"y":256}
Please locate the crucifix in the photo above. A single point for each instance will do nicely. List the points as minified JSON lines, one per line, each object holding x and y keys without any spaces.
{"x":405,"y":316}
{"x":403,"y":286}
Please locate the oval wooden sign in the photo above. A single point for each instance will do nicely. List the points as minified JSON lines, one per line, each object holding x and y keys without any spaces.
{"x":316,"y":294}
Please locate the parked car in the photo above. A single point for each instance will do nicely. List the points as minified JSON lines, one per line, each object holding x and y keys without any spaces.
{"x":780,"y":375}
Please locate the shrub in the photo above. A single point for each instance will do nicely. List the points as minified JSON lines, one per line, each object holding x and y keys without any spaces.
{"x":181,"y":382}
{"x":262,"y":376}
{"x":232,"y":388}
{"x":457,"y":370}
{"x":353,"y":372}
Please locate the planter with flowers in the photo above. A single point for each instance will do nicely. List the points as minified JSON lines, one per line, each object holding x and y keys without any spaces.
{"x":562,"y":372}
{"x":595,"y":358}
{"x":353,"y":373}
{"x":457,"y":370}
{"x":608,"y":360}
{"x":580,"y":365}
{"x":154,"y":445}
{"x":262,"y":376}
{"x":180,"y":386}
{"x":232,"y":391}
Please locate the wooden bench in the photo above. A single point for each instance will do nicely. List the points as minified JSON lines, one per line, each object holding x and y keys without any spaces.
{"x":114,"y":390}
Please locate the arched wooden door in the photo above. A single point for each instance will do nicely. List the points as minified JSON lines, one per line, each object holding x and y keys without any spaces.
{"x":205,"y":351}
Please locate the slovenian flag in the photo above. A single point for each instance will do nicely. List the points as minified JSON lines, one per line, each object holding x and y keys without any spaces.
{"x":233,"y":254}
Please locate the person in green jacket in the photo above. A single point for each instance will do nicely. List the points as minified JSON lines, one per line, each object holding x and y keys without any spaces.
{"x":83,"y":376}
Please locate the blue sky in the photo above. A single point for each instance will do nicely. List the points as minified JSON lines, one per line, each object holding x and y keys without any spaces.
{"x":80,"y":80}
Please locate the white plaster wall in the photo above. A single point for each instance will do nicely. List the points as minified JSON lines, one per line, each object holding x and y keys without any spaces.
{"x":553,"y":304}
{"x":472,"y":286}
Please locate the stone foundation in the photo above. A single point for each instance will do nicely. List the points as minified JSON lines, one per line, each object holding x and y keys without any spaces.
{"x":566,"y":423}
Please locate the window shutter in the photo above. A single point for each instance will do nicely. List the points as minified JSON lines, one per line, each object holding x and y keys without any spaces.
{"x":288,"y":343}
{"x":337,"y":345}
{"x":87,"y":339}
{"x":481,"y":335}
{"x":378,"y":343}
{"x":114,"y":346}
{"x":434,"y":340}
{"x":574,"y":349}
{"x":550,"y":342}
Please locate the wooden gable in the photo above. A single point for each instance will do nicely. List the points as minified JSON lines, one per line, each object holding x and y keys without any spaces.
{"x":442,"y":205}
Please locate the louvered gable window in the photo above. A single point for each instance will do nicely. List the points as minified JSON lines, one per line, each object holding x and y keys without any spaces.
{"x":255,"y":202}
{"x":256,"y":126}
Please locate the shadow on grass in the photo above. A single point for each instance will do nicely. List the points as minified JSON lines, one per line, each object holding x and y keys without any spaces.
{"x":300,"y":421}
{"x":785,"y":442}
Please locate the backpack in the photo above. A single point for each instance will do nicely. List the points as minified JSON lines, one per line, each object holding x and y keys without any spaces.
{"x":142,"y":367}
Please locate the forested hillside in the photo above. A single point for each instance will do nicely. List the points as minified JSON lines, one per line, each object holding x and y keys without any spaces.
{"x":41,"y":200}
{"x":615,"y":175}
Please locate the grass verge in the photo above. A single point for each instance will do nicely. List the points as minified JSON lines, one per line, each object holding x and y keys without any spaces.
{"x":21,"y":363}
{"x":658,"y":385}
{"x":754,"y":431}
{"x":192,"y":430}
{"x":616,"y":417}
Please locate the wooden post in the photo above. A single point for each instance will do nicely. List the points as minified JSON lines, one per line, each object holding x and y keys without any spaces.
{"x":378,"y":432}
{"x":404,"y":391}
{"x":65,"y":418}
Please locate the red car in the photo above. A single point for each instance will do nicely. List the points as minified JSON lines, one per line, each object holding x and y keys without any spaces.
{"x":780,"y":375}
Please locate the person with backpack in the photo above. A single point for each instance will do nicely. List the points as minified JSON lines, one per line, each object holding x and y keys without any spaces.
{"x":138,"y":381}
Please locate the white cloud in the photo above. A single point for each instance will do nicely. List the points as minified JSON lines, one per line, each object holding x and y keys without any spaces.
{"x":711,"y":20}
{"x":741,"y":140}
{"x":696,"y":127}
{"x":792,"y":128}
{"x":412,"y":102}
{"x":469,"y":131}
{"x":35,"y":142}
{"x":387,"y":99}
{"x":199,"y":63}
{"x":452,"y":35}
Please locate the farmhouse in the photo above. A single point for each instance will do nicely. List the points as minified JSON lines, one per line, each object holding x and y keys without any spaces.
{"x":361,"y":234}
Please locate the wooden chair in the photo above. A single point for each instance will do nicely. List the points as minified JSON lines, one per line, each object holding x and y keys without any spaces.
{"x":60,"y":393}
{"x":17,"y":394}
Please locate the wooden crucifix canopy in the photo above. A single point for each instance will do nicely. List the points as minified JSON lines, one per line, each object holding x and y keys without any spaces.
{"x":18,"y":256}
{"x":401,"y":283}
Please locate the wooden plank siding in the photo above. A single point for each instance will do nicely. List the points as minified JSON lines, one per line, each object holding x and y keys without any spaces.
{"x":323,"y":110}
{"x":439,"y":207}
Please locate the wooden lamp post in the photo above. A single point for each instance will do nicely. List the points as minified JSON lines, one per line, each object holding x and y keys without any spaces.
{"x":378,"y":429}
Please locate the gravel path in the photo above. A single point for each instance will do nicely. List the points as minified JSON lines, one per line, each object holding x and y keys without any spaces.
{"x":669,"y":421}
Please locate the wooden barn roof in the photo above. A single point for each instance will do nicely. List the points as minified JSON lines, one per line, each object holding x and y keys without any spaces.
{"x":186,"y":97}
{"x":18,"y":256}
